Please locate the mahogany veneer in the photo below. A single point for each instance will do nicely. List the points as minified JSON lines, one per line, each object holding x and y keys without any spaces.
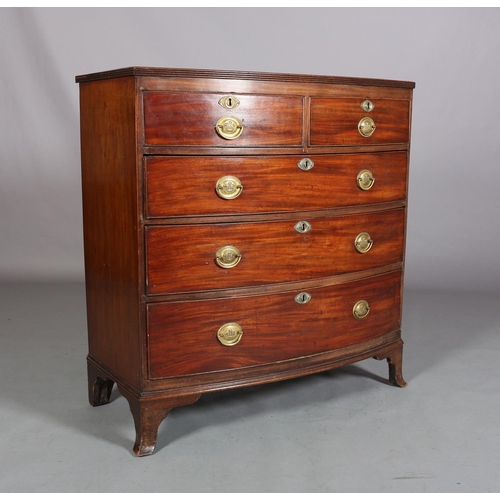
{"x":179,"y":165}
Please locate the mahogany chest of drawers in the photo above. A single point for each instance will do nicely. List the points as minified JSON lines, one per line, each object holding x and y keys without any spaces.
{"x":239,"y":228}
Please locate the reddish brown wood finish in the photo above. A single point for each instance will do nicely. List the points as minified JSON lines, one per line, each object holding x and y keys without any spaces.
{"x":111,"y":225}
{"x":150,"y":161}
{"x":185,"y":186}
{"x":183,"y":338}
{"x":169,"y":75}
{"x":335,"y":122}
{"x":189,"y":119}
{"x":182,"y":258}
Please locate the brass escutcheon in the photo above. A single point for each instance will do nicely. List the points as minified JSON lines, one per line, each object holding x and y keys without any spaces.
{"x":229,"y":102}
{"x":229,"y":334}
{"x":302,"y":227}
{"x":363,"y":242}
{"x":367,"y":105}
{"x":305,"y":164}
{"x":365,"y":180}
{"x":229,"y":127}
{"x":361,"y":309}
{"x":229,"y":187}
{"x":303,"y":298}
{"x":366,"y":126}
{"x":227,"y":257}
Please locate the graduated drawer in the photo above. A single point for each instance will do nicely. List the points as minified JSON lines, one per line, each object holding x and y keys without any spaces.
{"x":188,"y":186}
{"x":184,"y":258}
{"x":197,"y":119}
{"x":337,"y":122}
{"x":184,"y":337}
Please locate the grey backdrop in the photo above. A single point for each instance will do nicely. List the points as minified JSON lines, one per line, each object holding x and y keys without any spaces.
{"x":451,"y":53}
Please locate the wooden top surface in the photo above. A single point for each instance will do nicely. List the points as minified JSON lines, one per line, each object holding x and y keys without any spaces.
{"x":240,"y":75}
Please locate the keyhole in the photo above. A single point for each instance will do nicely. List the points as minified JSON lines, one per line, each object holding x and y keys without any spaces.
{"x":230,"y":102}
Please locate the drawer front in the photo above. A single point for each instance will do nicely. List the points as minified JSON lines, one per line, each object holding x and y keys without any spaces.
{"x":184,"y":258}
{"x":336,"y":122}
{"x":186,"y":119}
{"x":180,"y":186}
{"x":184,"y":337}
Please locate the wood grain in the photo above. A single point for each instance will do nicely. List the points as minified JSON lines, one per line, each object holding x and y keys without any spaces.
{"x":110,"y":224}
{"x":335,"y":121}
{"x":182,"y":338}
{"x":185,"y":186}
{"x":182,"y":258}
{"x":188,"y":119}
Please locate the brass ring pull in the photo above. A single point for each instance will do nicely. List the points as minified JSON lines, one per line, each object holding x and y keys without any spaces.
{"x":227,"y":257}
{"x":229,"y":187}
{"x":229,"y":334}
{"x":363,"y":242}
{"x":366,"y":126}
{"x":229,"y":127}
{"x":365,"y":180}
{"x":361,"y":309}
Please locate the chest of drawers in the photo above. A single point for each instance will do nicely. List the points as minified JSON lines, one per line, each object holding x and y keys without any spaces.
{"x":239,"y":228}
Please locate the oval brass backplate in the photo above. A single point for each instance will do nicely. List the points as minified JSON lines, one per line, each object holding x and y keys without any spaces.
{"x":229,"y":187}
{"x":365,"y":179}
{"x":366,"y":126}
{"x":229,"y":334}
{"x":229,"y":127}
{"x":363,"y":242}
{"x":361,"y":309}
{"x":227,"y":257}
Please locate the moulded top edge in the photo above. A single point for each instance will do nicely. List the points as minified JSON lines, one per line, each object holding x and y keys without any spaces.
{"x":240,"y":75}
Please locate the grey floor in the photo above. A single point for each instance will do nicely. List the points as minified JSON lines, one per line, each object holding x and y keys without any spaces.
{"x":342,"y":431}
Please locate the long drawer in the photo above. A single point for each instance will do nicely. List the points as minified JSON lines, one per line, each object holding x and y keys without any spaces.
{"x":218,"y":256}
{"x":203,"y":336}
{"x":189,"y":186}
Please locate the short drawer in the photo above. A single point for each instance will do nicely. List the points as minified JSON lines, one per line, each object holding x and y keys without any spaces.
{"x":221,"y":256}
{"x":189,"y":186}
{"x":343,"y":122}
{"x":198,"y":119}
{"x":197,"y":337}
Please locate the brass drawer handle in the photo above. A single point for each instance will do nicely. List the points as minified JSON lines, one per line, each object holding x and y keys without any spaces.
{"x":305,"y":164}
{"x":366,"y":126}
{"x":230,"y":334}
{"x":365,"y":180}
{"x":227,"y":257}
{"x":229,"y":187}
{"x":229,"y":127}
{"x":361,"y":309}
{"x":363,"y":242}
